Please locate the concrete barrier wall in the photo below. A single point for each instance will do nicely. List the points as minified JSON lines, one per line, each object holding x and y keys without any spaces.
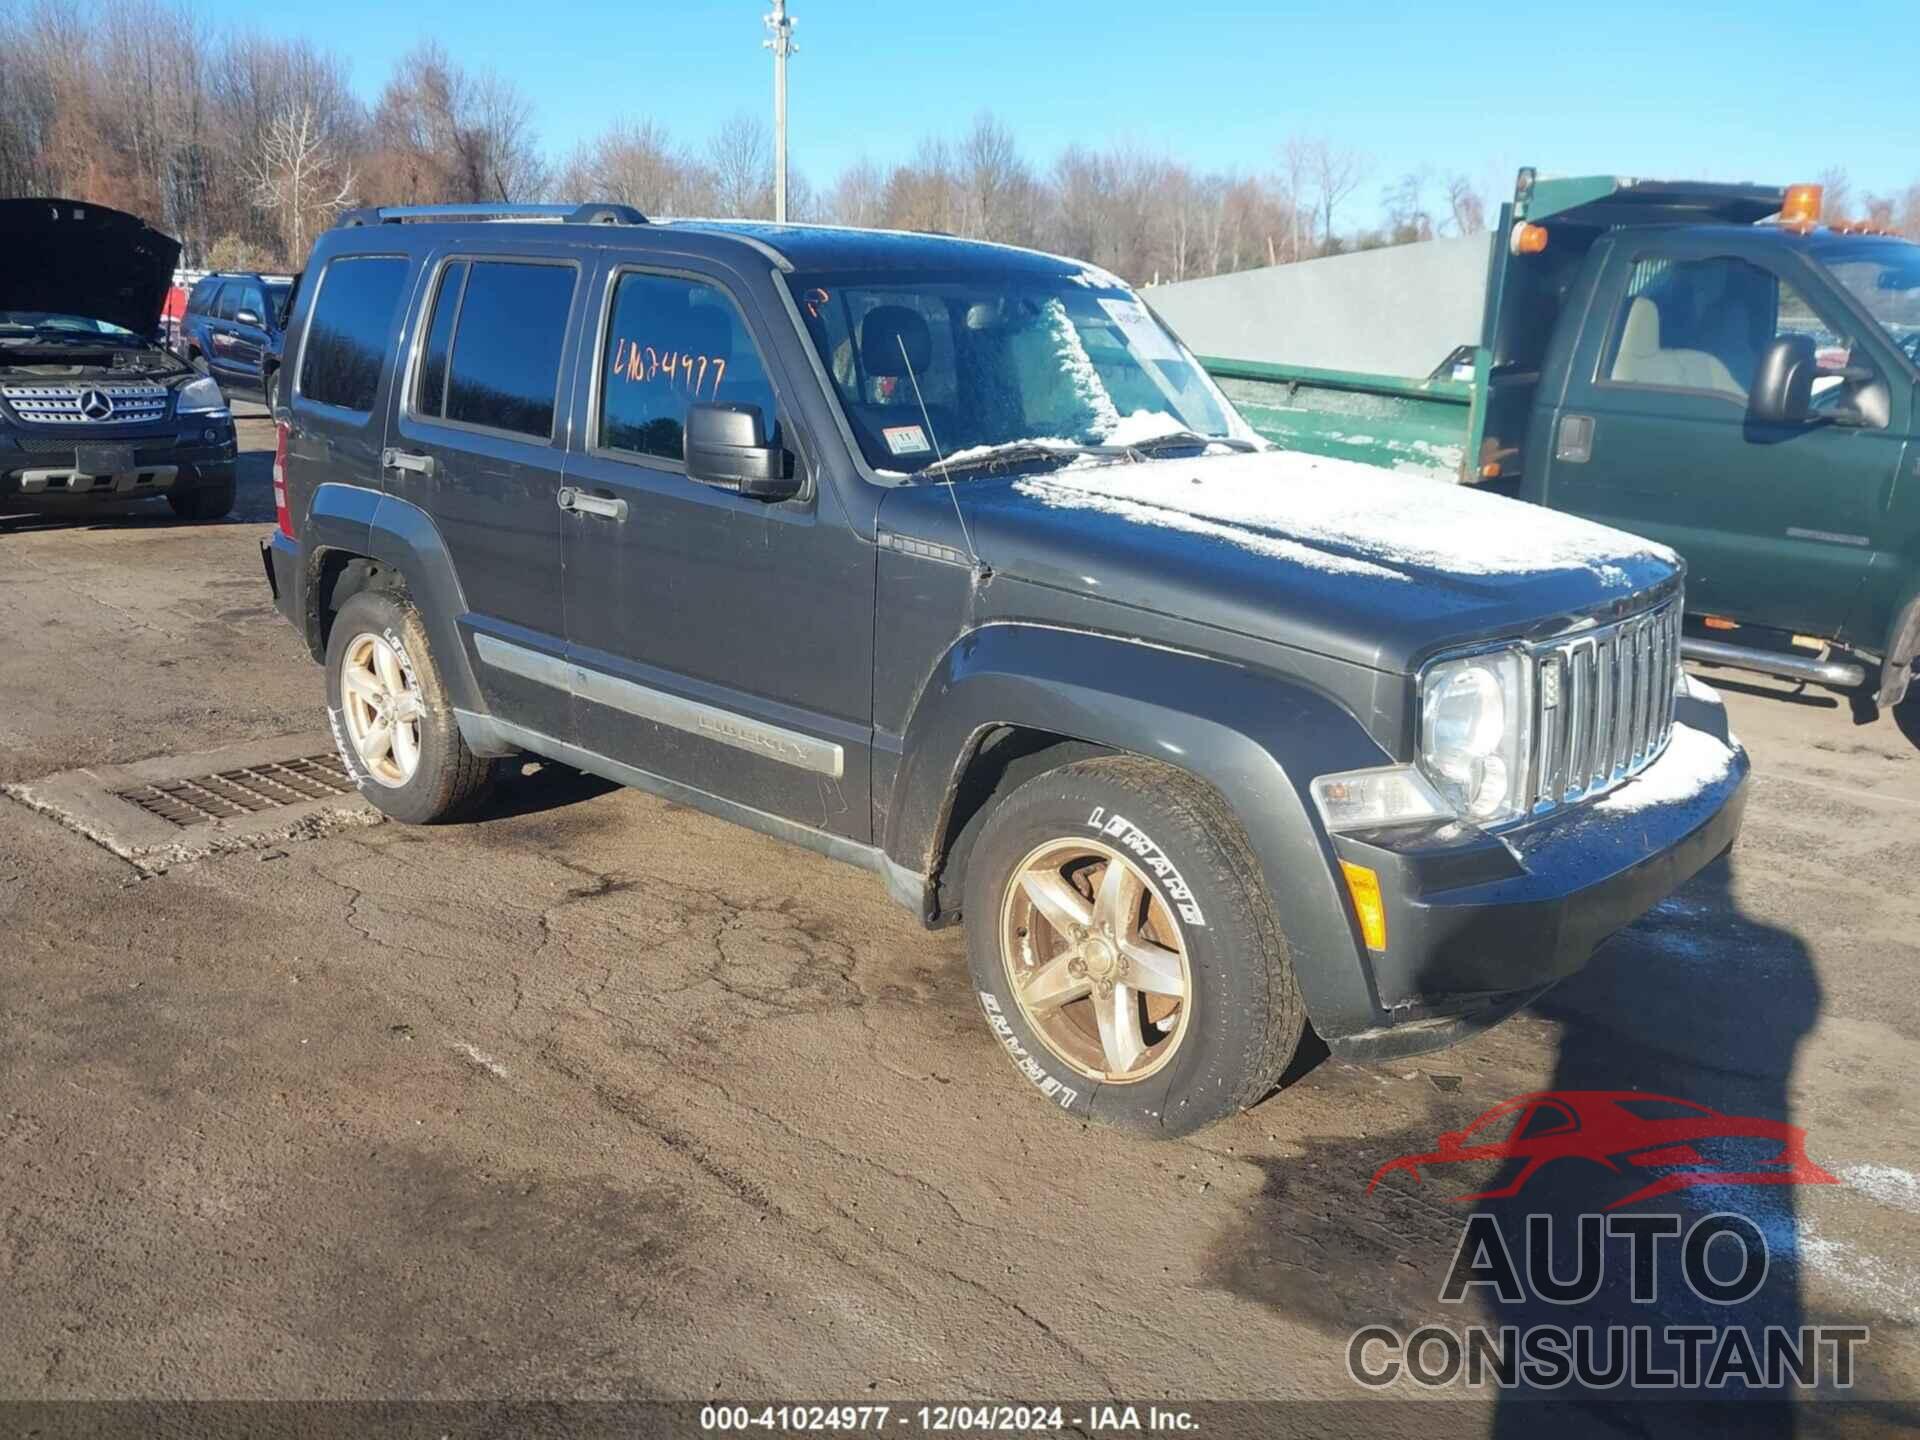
{"x":1398,"y":311}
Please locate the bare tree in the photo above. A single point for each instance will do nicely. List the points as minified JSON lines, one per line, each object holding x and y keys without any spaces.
{"x":443,"y":135}
{"x":740,"y":157}
{"x":638,"y":164}
{"x":1408,"y":219}
{"x":1467,"y":212}
{"x":923,"y":194}
{"x":995,"y":186}
{"x":1836,"y":200}
{"x":858,"y":196}
{"x":1334,"y":174}
{"x":299,"y":175}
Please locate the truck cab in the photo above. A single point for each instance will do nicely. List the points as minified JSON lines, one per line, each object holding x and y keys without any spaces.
{"x":1702,"y":364}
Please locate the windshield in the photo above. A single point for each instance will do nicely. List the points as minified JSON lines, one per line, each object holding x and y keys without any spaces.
{"x":1884,"y":277}
{"x":46,"y":323}
{"x":944,"y":365}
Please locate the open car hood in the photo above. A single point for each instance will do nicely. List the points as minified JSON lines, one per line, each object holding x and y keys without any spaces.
{"x":75,"y":258}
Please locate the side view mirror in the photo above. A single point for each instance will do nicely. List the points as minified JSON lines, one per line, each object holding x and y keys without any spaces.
{"x":726,"y":446}
{"x":1783,"y":381}
{"x":246,"y":317}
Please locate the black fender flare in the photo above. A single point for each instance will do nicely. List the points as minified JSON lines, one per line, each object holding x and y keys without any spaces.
{"x":403,"y":537}
{"x":1257,"y":738}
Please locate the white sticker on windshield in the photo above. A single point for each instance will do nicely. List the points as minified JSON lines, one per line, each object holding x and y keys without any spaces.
{"x":906,"y":439}
{"x":1143,"y":332}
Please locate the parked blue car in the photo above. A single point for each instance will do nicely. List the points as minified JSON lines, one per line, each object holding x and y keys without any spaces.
{"x":233,"y":329}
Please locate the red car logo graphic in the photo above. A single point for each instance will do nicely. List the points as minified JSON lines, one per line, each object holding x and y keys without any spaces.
{"x":1625,"y":1131}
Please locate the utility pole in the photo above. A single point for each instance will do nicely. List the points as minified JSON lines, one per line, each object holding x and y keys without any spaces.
{"x":780,"y":26}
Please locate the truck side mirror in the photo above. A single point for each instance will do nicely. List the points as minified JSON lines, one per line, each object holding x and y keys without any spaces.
{"x":1783,"y":381}
{"x":247,"y":317}
{"x":726,"y":446}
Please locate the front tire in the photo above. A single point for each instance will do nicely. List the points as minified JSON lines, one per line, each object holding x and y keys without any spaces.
{"x":204,"y":502}
{"x":392,"y":722}
{"x":1125,"y":950}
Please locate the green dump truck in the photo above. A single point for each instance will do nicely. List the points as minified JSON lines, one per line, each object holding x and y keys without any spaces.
{"x":1703,"y":364}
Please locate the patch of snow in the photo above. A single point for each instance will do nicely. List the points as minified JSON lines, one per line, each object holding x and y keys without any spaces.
{"x":1389,"y":519}
{"x":1700,"y":690}
{"x":1889,"y":1286}
{"x":1135,"y":429}
{"x":1888,"y":1185}
{"x":1065,"y":497}
{"x":1141,"y":426}
{"x":1094,"y":278}
{"x":1081,"y":372}
{"x":1694,"y":760}
{"x":483,"y":1060}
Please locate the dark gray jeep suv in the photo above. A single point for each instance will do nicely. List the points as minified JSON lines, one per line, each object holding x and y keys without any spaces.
{"x":93,"y":407}
{"x":946,"y":559}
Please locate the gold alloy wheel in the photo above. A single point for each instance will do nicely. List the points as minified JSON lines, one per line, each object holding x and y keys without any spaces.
{"x":381,"y":703}
{"x":1096,"y":960}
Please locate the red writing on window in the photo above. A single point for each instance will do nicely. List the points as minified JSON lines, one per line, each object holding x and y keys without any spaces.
{"x":643,"y":364}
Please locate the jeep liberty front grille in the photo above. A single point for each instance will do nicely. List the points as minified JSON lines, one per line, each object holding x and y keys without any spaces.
{"x":1603,"y":705}
{"x":111,"y":404}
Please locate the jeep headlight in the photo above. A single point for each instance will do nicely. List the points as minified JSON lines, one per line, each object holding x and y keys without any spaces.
{"x":1476,"y":730}
{"x":200,"y":397}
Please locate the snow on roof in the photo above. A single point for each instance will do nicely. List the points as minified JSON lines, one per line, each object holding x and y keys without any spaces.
{"x":1280,"y":502}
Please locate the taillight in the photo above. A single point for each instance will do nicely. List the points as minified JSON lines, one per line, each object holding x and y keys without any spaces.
{"x":281,"y":513}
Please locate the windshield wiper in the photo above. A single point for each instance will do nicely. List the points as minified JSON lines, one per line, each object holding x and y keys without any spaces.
{"x":1014,"y":452}
{"x":1180,"y":438}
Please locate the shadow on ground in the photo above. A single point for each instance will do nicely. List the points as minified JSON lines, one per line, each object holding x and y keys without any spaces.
{"x":1697,"y":1001}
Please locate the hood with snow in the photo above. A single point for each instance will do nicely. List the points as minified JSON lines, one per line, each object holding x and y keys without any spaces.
{"x":1339,"y":557}
{"x":73,"y":258}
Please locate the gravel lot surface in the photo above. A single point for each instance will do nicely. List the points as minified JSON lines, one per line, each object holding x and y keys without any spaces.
{"x":597,"y":1096}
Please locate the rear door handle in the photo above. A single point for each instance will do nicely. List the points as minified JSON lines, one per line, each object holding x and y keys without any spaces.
{"x":407,"y":460}
{"x":578,"y":502}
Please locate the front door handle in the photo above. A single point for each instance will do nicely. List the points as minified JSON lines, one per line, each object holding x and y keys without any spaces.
{"x":407,"y":460}
{"x":578,"y":502}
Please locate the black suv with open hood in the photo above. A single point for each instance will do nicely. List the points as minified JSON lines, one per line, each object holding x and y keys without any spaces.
{"x":93,"y":407}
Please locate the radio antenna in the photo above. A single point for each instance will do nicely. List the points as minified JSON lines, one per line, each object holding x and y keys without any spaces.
{"x":980,"y":567}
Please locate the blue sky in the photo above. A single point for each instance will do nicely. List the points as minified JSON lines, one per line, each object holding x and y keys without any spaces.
{"x":1762,"y":90}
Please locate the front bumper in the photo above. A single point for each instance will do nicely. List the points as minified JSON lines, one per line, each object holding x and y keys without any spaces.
{"x":1478,"y":925}
{"x":38,"y":468}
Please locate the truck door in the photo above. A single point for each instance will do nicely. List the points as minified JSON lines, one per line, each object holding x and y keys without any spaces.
{"x":1653,"y":435}
{"x":720,"y":642}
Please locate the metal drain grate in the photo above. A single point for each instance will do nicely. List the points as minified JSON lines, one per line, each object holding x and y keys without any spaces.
{"x":233,"y":793}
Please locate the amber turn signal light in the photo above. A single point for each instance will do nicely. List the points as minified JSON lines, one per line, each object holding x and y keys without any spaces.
{"x":1529,"y":239}
{"x":1371,"y":910}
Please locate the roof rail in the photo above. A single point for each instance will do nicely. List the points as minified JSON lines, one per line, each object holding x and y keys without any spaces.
{"x":595,"y":214}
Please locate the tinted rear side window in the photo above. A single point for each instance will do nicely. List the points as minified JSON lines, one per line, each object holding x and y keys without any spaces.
{"x":202,"y":297}
{"x":512,"y":327}
{"x":347,"y":337}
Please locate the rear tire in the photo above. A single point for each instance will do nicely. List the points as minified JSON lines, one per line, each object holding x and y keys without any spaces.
{"x":1205,"y":1011}
{"x":382,"y":672}
{"x":204,"y":502}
